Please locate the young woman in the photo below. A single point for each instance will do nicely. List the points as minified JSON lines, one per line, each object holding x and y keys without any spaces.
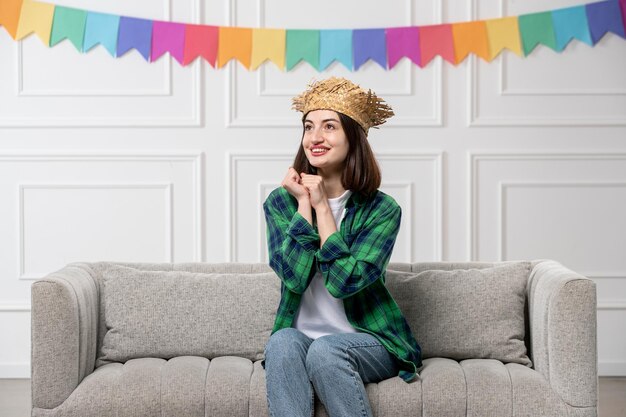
{"x":330,"y":237}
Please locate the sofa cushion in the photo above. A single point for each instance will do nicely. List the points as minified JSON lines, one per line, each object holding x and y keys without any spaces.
{"x":172,"y":313}
{"x":466,"y":313}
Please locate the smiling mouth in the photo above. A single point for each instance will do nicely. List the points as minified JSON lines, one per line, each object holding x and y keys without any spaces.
{"x":319,"y":151}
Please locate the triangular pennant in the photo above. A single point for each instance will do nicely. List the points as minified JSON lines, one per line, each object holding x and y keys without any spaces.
{"x":168,"y":37}
{"x":268,"y":44}
{"x":36,"y":17}
{"x":101,"y":29}
{"x":134,"y":33}
{"x":201,"y":40}
{"x":303,"y":45}
{"x":234,"y":43}
{"x":436,"y":40}
{"x":537,"y":28}
{"x":335,"y":45}
{"x":603,"y":17}
{"x":503,"y":33}
{"x":69,"y":24}
{"x":369,"y":44}
{"x":470,"y":37}
{"x":570,"y":23}
{"x":10,"y":11}
{"x":403,"y":42}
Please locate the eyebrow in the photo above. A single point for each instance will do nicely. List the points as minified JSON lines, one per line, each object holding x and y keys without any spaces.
{"x":323,"y":121}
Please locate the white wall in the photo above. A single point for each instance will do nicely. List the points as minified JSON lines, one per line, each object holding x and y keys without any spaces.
{"x":118,"y":159}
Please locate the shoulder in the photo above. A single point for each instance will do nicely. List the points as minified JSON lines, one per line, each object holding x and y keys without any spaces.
{"x":380,"y":202}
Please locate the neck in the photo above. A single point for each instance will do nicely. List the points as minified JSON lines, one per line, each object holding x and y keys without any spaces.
{"x":332,"y":184}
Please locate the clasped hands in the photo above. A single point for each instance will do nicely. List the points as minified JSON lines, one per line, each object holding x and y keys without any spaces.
{"x":306,"y":188}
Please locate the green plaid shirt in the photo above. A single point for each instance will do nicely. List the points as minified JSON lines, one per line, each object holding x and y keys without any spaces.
{"x":352,"y":261}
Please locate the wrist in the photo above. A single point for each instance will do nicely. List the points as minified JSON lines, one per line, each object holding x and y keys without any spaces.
{"x":322,"y":208}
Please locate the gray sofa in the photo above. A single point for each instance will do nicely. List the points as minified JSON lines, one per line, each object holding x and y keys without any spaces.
{"x":498,"y":339}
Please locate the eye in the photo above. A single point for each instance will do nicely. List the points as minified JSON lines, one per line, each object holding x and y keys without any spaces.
{"x":330,"y":126}
{"x":308,"y":127}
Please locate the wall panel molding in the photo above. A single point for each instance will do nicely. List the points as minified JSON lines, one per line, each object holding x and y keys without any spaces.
{"x":197,"y":181}
{"x":474,"y":158}
{"x":167,"y":189}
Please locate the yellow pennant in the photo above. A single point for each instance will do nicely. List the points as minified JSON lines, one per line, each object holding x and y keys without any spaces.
{"x":470,"y":37}
{"x":268,"y":44}
{"x":36,"y":17}
{"x":235,"y":43}
{"x":504,"y":33}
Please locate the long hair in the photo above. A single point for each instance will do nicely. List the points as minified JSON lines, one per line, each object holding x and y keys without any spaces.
{"x":361,"y":173}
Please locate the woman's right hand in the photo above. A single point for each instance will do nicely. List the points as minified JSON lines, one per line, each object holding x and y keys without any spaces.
{"x":293,"y":184}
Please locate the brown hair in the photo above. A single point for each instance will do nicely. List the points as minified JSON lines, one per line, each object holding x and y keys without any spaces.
{"x":361,"y":173}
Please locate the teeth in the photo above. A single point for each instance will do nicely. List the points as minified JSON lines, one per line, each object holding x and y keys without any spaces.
{"x":318,"y":150}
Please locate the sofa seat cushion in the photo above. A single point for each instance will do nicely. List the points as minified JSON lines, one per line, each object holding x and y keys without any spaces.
{"x":182,"y":386}
{"x":232,"y":386}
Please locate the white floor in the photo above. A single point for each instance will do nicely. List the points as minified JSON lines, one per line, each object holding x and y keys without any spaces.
{"x":15,"y":397}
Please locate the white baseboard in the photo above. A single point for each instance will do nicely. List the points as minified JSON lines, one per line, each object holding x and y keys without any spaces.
{"x":612,"y":368}
{"x":12,"y":370}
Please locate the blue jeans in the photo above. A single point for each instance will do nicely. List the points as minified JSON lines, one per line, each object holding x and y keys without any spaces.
{"x":337,"y":366}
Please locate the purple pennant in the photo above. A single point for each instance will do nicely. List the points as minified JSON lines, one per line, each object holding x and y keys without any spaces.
{"x":168,"y":37}
{"x":622,"y":5}
{"x":369,"y":44}
{"x":403,"y":42}
{"x":604,"y":17}
{"x":134,"y":33}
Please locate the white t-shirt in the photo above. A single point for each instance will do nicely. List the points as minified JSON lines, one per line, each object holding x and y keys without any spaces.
{"x":320,"y":313}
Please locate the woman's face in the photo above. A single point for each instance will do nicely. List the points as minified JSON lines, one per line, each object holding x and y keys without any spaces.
{"x":325,"y":143}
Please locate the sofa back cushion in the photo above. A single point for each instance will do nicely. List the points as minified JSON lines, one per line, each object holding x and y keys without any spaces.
{"x":175,"y":313}
{"x":466,"y":313}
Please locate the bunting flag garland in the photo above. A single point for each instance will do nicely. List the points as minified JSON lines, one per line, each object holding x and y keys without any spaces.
{"x":286,"y":48}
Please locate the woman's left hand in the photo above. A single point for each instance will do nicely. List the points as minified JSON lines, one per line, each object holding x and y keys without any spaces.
{"x":315,"y":186}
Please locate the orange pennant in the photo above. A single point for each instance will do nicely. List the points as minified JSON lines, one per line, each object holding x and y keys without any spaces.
{"x":470,"y":37}
{"x":235,"y":43}
{"x":10,"y":15}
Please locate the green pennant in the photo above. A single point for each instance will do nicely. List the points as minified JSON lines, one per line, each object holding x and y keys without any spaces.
{"x":537,"y":28}
{"x":68,"y":23}
{"x":303,"y":45}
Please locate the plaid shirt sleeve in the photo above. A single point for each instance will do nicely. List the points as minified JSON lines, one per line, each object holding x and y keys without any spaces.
{"x":349,"y":269}
{"x":291,"y":241}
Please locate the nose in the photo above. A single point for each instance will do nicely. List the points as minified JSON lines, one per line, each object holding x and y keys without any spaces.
{"x":318,"y":136}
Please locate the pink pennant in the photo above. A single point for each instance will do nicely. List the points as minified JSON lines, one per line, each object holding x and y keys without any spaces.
{"x":437,"y":40}
{"x":168,"y":37}
{"x":401,"y":42}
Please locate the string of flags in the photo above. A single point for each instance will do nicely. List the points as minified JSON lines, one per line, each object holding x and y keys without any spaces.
{"x":251,"y":47}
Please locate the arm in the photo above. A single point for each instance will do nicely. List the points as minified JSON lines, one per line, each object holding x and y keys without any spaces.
{"x":64,"y":328}
{"x":348,"y":270}
{"x":291,"y":241}
{"x":562,"y":310}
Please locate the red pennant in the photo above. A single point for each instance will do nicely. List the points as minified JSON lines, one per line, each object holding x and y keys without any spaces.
{"x":201,"y":40}
{"x":437,"y":40}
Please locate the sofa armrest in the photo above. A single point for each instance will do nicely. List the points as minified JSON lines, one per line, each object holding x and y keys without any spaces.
{"x":563,"y":321}
{"x":64,"y":327}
